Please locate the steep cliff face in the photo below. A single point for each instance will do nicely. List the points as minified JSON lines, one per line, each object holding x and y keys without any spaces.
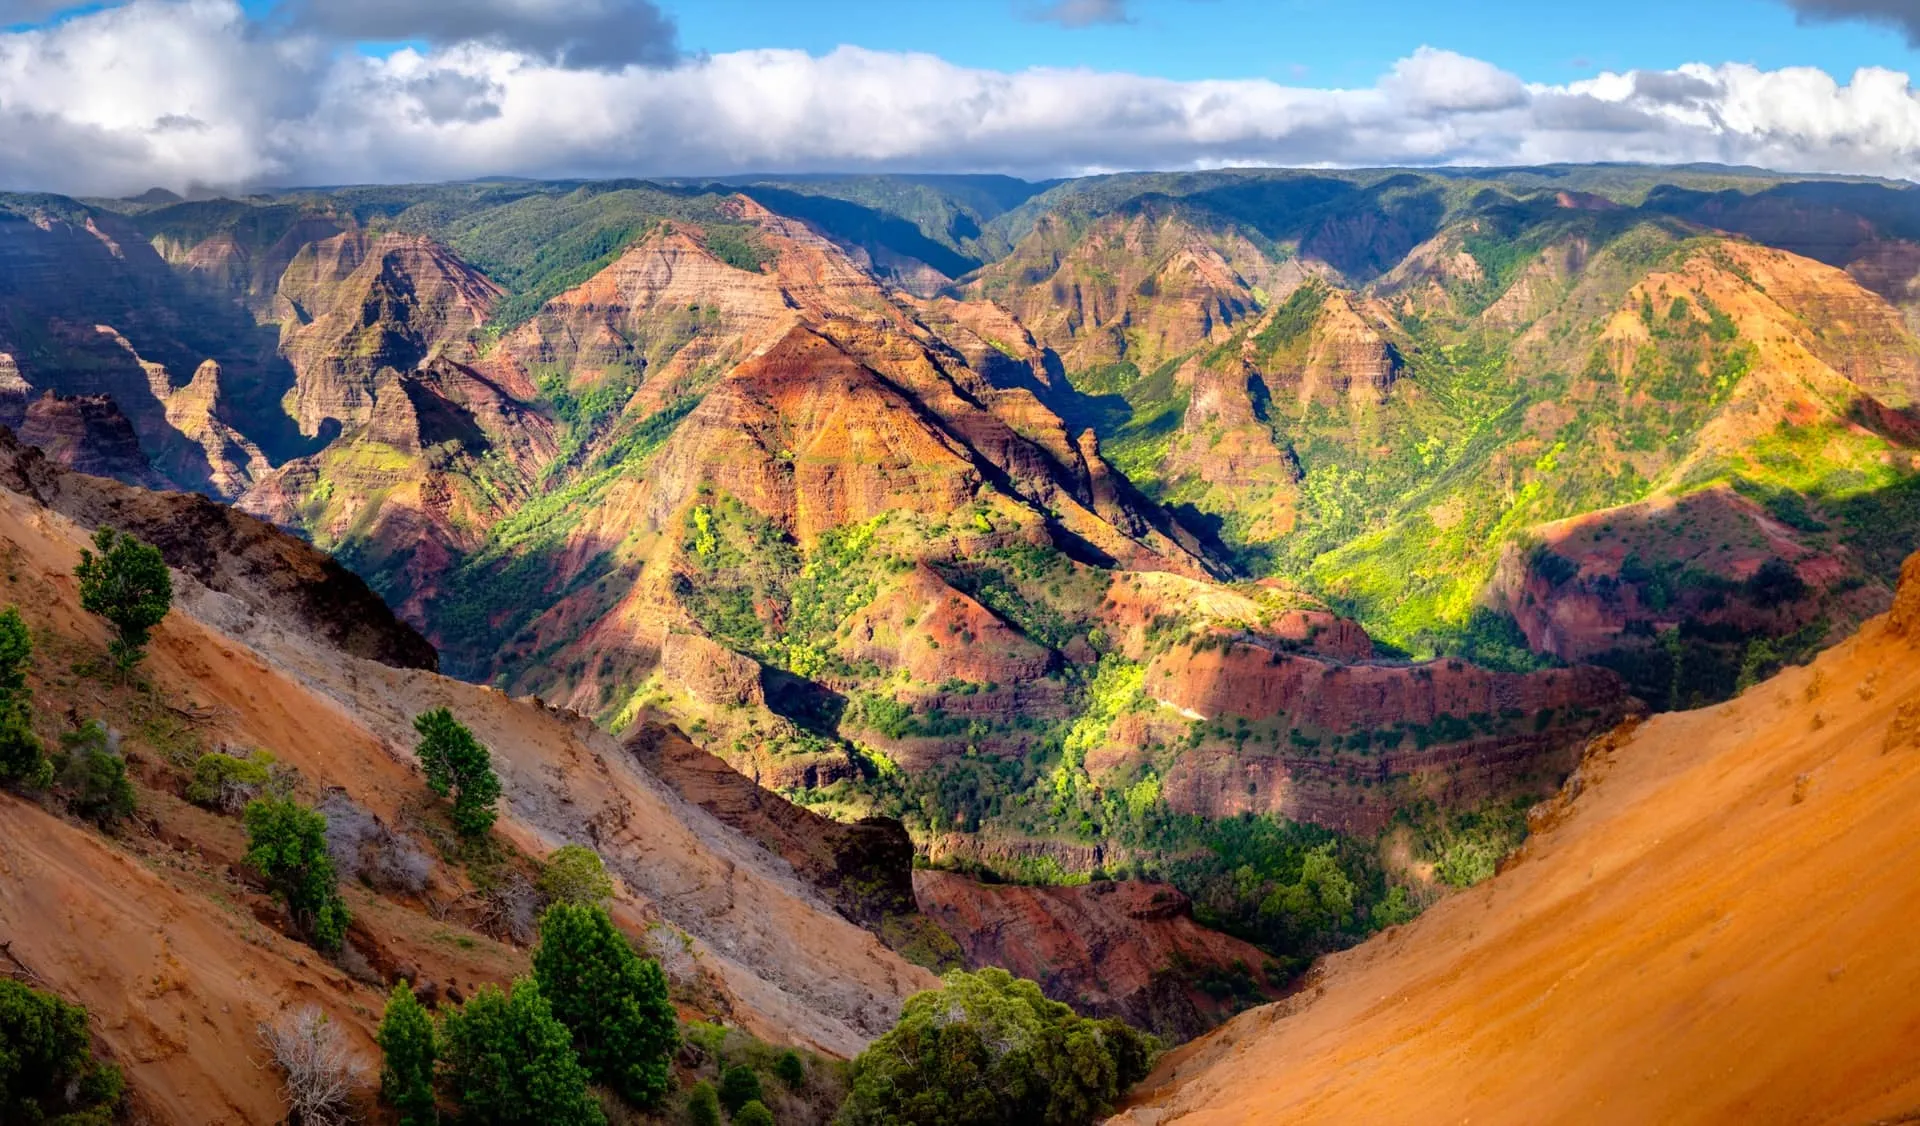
{"x":1250,"y":728}
{"x":87,"y":434}
{"x":1678,"y":941}
{"x":356,"y":304}
{"x":1137,"y":287}
{"x":1112,"y":949}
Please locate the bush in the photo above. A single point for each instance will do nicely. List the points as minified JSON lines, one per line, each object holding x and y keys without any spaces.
{"x":287,"y":843}
{"x":22,"y":757}
{"x":47,"y":1068}
{"x":407,"y":1053}
{"x":739,"y":1085}
{"x":703,"y":1105}
{"x":127,"y":584}
{"x":93,"y":776}
{"x":457,"y":764}
{"x":320,"y":1072}
{"x":790,"y":1070}
{"x":614,"y":1001}
{"x":754,"y":1113}
{"x":509,"y":1062}
{"x":575,"y":874}
{"x":228,"y":782}
{"x":990,"y":1048}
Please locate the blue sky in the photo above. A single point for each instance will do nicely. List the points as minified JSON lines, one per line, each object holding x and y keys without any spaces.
{"x":1310,"y":42}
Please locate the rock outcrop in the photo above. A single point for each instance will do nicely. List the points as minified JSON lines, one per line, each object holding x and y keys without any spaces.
{"x":270,"y":571}
{"x":1111,"y":949}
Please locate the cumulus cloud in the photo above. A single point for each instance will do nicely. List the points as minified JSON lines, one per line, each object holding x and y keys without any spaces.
{"x":576,"y":33}
{"x":1901,"y":14}
{"x":182,"y":92}
{"x":1078,"y":13}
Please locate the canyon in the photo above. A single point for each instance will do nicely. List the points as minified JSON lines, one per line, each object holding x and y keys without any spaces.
{"x":1182,"y":578}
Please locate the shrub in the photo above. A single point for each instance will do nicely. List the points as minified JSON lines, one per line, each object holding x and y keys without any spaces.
{"x":789,"y":1069}
{"x":990,"y":1048}
{"x":128,"y":585}
{"x":320,"y":1072}
{"x":287,"y":843}
{"x":509,"y":1062}
{"x":22,"y":756}
{"x":93,"y":776}
{"x":575,"y":874}
{"x":47,"y":1068}
{"x":739,"y":1085}
{"x":407,"y":1054}
{"x":703,"y":1105}
{"x":457,"y":764}
{"x":228,"y":782}
{"x":614,"y":1001}
{"x":755,"y":1113}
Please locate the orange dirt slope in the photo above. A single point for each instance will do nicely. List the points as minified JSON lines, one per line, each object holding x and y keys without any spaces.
{"x":1716,"y":922}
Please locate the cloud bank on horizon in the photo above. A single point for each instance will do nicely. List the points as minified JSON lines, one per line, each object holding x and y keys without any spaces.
{"x":184,"y":93}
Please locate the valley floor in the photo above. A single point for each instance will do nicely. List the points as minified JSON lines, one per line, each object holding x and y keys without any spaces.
{"x":1715,"y":923}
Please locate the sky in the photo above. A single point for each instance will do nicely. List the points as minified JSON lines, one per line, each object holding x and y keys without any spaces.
{"x":114,"y":98}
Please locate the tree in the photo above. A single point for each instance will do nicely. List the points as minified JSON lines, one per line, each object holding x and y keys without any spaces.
{"x":989,"y":1048}
{"x":16,"y":652}
{"x":457,"y":764}
{"x":127,"y":584}
{"x":407,"y":1052}
{"x":510,"y":1063}
{"x":22,"y":756}
{"x":287,"y":842}
{"x":703,"y":1106}
{"x":47,"y":1068}
{"x":94,"y":777}
{"x":755,"y":1113}
{"x":790,"y":1069}
{"x":575,"y":874}
{"x":739,"y":1085}
{"x":613,"y":1000}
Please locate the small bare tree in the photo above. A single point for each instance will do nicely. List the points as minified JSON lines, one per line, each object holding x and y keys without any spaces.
{"x":321,"y":1071}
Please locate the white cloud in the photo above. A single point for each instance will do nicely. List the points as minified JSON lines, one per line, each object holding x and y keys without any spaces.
{"x":178,"y":92}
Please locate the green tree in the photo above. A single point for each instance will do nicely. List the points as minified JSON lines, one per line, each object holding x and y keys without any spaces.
{"x":407,"y":1054}
{"x":739,"y":1085}
{"x":755,"y":1113}
{"x":287,"y":843}
{"x":790,"y":1069}
{"x":127,"y":584}
{"x":613,"y":1000}
{"x":22,"y":755}
{"x":94,"y":777}
{"x":575,"y":874}
{"x":457,"y":765}
{"x":47,"y":1070}
{"x":510,"y":1063}
{"x":703,"y":1105}
{"x":990,"y":1048}
{"x":1320,"y":901}
{"x":16,"y":653}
